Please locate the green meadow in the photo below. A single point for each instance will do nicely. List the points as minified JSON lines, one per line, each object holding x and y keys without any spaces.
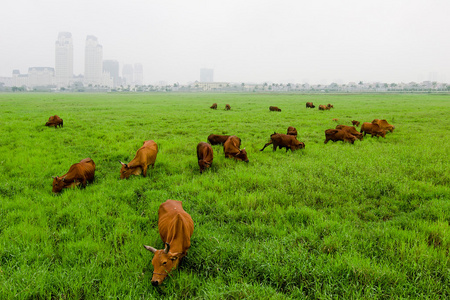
{"x":332,"y":221}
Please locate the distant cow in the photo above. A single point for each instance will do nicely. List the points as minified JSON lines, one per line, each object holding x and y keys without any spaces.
{"x":384,"y":124}
{"x":145,"y":156}
{"x":330,"y":106}
{"x":175,"y":228}
{"x":274,"y":108}
{"x":310,"y":105}
{"x":227,"y":107}
{"x":214,"y":106}
{"x":338,"y":135}
{"x":351,"y":130}
{"x":55,"y":121}
{"x":372,"y":129}
{"x":231,"y":149}
{"x":204,"y":155}
{"x":284,"y":141}
{"x":292,"y":131}
{"x":355,"y":123}
{"x":323,"y":107}
{"x":335,"y":120}
{"x":79,"y":173}
{"x":215,"y":139}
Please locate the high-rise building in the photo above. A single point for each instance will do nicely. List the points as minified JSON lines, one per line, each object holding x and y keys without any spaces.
{"x":93,"y":62}
{"x":40,"y":76}
{"x":112,"y":68}
{"x":64,"y":59}
{"x":127,"y":74}
{"x":206,"y":75}
{"x":138,"y":74}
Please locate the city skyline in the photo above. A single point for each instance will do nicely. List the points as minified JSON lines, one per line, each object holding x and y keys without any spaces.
{"x":254,"y":41}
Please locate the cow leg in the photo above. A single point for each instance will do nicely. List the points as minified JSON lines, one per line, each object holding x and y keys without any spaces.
{"x":269,"y":143}
{"x":144,"y":170}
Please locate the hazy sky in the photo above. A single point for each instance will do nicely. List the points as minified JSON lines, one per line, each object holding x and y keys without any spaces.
{"x":315,"y":41}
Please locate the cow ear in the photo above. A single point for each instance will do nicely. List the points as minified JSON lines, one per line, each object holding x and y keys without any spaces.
{"x":167,"y":248}
{"x":54,"y":177}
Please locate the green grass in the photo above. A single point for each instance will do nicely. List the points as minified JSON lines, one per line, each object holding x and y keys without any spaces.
{"x":369,"y":220}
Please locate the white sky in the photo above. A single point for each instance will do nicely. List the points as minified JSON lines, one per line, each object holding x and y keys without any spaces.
{"x":315,"y":41}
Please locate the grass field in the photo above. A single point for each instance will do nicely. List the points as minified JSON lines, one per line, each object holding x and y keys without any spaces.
{"x":369,"y":220}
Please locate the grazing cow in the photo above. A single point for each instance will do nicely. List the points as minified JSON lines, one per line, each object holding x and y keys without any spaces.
{"x":214,"y":106}
{"x":335,"y":120}
{"x":351,"y":130}
{"x":227,"y":107}
{"x":355,"y":123}
{"x":231,"y":149}
{"x":175,"y":228}
{"x":55,"y":121}
{"x":338,"y":135}
{"x":329,"y":106}
{"x":384,"y":124}
{"x":215,"y":139}
{"x":372,"y":129}
{"x":79,"y":173}
{"x":284,"y":141}
{"x":145,"y":156}
{"x":274,"y":108}
{"x":292,"y":131}
{"x":204,"y":155}
{"x":310,"y":105}
{"x":323,"y":107}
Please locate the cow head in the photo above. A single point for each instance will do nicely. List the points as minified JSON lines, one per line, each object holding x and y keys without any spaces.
{"x":241,"y":155}
{"x":126,"y":172}
{"x":163,"y":263}
{"x":58,"y":184}
{"x":203,"y":165}
{"x":298,"y":145}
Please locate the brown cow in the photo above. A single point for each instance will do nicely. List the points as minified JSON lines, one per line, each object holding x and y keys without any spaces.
{"x":351,"y":130}
{"x":284,"y":141}
{"x":231,"y":149}
{"x":329,"y":106}
{"x":204,"y":155}
{"x":355,"y":123}
{"x":227,"y":107}
{"x":384,"y":124}
{"x":214,"y":106}
{"x":145,"y":156}
{"x":79,"y":173}
{"x":323,"y":107}
{"x":215,"y":139}
{"x":372,"y":129}
{"x":55,"y":121}
{"x":338,"y":135}
{"x":310,"y":105}
{"x":274,"y":108}
{"x":175,"y":228}
{"x":335,"y":120}
{"x":292,"y":131}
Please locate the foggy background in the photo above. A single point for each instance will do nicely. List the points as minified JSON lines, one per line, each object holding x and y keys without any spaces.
{"x":320,"y":41}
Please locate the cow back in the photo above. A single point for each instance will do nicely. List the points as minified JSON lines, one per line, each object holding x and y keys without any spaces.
{"x":175,"y":226}
{"x":232,"y":145}
{"x":215,"y":139}
{"x":292,"y":131}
